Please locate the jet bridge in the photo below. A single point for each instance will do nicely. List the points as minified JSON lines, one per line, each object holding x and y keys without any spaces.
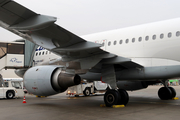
{"x":15,"y":55}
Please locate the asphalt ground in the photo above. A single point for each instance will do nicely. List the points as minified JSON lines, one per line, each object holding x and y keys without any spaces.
{"x":143,"y":105}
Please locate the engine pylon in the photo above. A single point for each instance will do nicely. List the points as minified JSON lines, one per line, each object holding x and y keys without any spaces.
{"x":24,"y":100}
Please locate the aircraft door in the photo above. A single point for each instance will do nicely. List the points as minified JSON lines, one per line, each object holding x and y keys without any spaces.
{"x":103,"y":42}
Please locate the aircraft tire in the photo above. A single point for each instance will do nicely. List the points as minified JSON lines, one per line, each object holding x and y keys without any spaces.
{"x":124,"y":97}
{"x":111,"y":97}
{"x":164,"y":93}
{"x":173,"y":92}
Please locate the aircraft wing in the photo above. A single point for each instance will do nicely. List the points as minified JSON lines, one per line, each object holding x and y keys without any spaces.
{"x":42,"y":30}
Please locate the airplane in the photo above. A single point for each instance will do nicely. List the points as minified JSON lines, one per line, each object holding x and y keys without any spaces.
{"x":12,"y":79}
{"x":127,"y":59}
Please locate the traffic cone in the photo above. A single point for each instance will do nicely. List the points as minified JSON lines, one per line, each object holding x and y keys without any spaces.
{"x":24,"y":100}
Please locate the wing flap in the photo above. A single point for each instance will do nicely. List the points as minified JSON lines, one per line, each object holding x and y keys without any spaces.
{"x":79,"y":47}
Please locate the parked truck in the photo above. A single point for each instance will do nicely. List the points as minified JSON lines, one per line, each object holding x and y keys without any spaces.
{"x":87,"y":89}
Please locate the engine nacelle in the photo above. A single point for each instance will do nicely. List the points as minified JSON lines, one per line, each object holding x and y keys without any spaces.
{"x":132,"y":85}
{"x":48,"y":80}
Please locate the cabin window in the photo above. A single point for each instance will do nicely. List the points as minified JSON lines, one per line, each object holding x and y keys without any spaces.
{"x":147,"y":38}
{"x":154,"y":37}
{"x":36,"y":53}
{"x":120,"y":42}
{"x":46,"y":52}
{"x":127,"y":40}
{"x":109,"y":43}
{"x":39,"y":53}
{"x":133,"y":40}
{"x":43,"y":53}
{"x":177,"y":33}
{"x":169,"y":34}
{"x":103,"y":44}
{"x":161,"y":36}
{"x":140,"y":39}
{"x":115,"y":42}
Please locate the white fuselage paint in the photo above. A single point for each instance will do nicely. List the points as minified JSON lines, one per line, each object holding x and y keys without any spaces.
{"x":151,"y":52}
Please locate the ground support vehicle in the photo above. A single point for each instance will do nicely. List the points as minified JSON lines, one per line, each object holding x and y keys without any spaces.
{"x":87,"y":89}
{"x":11,"y":89}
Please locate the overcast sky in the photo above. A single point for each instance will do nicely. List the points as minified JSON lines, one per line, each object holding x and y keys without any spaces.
{"x":90,"y":16}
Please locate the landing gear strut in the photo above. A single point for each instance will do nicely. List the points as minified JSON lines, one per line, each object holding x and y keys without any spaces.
{"x":116,"y":97}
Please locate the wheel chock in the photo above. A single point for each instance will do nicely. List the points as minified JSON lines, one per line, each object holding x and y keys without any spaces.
{"x":175,"y":98}
{"x":40,"y":96}
{"x":114,"y":106}
{"x":118,"y":106}
{"x":102,"y":105}
{"x":43,"y":96}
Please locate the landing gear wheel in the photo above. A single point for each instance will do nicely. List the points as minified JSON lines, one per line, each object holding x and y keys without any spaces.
{"x":173,"y":92}
{"x":164,"y":93}
{"x":111,"y":97}
{"x":124,"y":97}
{"x":9,"y":95}
{"x":86,"y":92}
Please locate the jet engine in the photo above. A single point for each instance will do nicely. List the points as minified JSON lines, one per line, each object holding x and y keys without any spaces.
{"x":48,"y":80}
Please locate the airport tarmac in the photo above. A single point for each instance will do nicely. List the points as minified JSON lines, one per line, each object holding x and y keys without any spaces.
{"x":143,"y":105}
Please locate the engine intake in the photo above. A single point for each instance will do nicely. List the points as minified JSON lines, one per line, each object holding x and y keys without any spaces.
{"x":49,"y":80}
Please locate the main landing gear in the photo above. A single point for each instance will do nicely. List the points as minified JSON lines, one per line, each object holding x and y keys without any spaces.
{"x":113,"y":96}
{"x":116,"y":97}
{"x":166,"y":93}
